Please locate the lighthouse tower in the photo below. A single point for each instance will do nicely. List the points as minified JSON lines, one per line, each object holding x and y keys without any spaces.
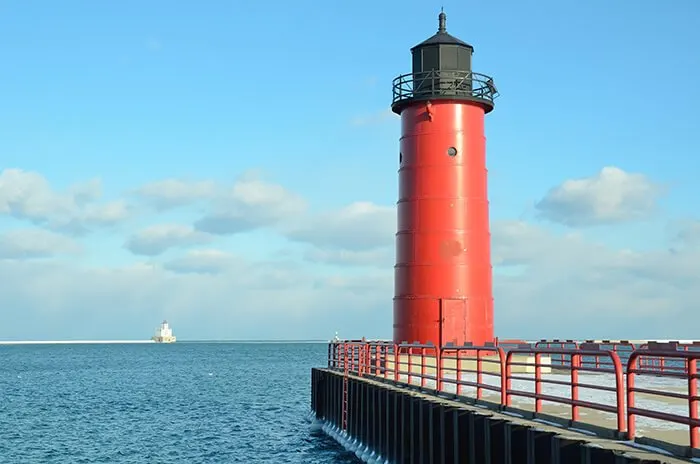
{"x":442,"y":278}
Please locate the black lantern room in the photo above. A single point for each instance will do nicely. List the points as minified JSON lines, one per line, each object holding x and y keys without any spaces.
{"x":442,"y":69}
{"x":442,"y":52}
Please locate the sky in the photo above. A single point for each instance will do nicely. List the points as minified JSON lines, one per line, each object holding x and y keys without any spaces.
{"x":233,"y":167}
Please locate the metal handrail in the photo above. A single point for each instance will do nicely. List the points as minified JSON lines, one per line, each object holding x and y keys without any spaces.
{"x":405,"y":362}
{"x":690,"y":375}
{"x":575,"y":366}
{"x":443,"y":84}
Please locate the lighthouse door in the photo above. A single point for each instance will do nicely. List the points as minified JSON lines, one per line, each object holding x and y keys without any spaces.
{"x":453,"y":321}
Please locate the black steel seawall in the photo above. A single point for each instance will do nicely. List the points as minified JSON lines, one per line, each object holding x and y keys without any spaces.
{"x":385,"y":422}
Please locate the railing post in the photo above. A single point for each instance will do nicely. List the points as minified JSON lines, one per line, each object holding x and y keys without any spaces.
{"x":423,"y":367}
{"x":397,"y":361}
{"x":619,"y":391}
{"x":693,"y":402}
{"x":346,"y":357}
{"x":361,"y":359}
{"x":368,"y":359}
{"x":438,"y":365}
{"x":538,"y":383}
{"x":502,"y":364}
{"x":458,"y":365}
{"x":479,"y":375}
{"x":575,"y":364}
{"x":378,"y":353}
{"x":330,"y":351}
{"x":508,"y":381}
{"x":631,"y":419}
{"x":355,"y":359}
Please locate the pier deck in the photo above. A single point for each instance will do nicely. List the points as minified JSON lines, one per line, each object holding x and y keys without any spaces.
{"x":649,"y":401}
{"x":407,"y":425}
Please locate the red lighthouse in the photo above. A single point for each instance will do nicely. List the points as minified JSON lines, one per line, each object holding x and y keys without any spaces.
{"x":442,"y":278}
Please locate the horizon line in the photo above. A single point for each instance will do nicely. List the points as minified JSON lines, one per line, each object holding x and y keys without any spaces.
{"x":143,"y":341}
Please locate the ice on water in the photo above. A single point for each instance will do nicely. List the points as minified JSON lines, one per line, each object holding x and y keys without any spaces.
{"x":585,"y":394}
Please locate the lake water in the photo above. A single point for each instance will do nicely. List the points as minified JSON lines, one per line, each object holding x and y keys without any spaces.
{"x":178,"y":403}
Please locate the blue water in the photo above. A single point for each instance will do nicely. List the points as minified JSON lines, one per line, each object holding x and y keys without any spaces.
{"x":179,"y":403}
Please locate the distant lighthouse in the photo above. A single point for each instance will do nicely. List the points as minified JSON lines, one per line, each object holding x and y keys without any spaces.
{"x":442,"y":279}
{"x":164,"y":334}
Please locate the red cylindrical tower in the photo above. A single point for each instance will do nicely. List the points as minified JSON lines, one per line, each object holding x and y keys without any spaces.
{"x":442,"y":278}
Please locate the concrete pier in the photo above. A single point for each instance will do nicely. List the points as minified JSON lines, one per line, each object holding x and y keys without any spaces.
{"x":406,"y":424}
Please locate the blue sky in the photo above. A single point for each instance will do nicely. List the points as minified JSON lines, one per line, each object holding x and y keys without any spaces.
{"x":273,"y":117}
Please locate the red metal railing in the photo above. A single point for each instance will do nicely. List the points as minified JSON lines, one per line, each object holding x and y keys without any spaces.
{"x":406,"y":357}
{"x":574,"y":367}
{"x":662,"y":364}
{"x":478,"y":356}
{"x":559,"y":359}
{"x":637,"y":368}
{"x":490,"y":373}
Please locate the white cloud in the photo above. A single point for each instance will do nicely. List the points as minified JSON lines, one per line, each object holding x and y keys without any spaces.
{"x":108,"y":213}
{"x":378,"y":257}
{"x":171,"y":193}
{"x":157,"y":239}
{"x":86,"y":192}
{"x":251,"y":204}
{"x":612,"y":196}
{"x":28,"y":196}
{"x":202,"y":261}
{"x":686,"y":233}
{"x":34,"y":243}
{"x":565,"y":286}
{"x":253,"y":300}
{"x":546,"y":284}
{"x":358,"y":226}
